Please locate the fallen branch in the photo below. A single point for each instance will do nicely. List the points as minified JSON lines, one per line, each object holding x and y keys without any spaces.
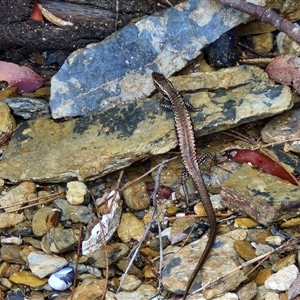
{"x":266,"y":15}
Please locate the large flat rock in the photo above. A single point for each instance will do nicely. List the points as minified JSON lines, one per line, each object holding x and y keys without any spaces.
{"x":118,"y":70}
{"x":89,"y":147}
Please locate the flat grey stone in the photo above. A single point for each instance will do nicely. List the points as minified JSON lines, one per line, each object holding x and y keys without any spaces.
{"x":118,"y":70}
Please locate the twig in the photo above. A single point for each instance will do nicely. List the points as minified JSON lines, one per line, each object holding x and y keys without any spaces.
{"x":277,"y":143}
{"x":145,"y":174}
{"x":76,"y":262}
{"x":153,"y":218}
{"x":266,"y":15}
{"x":5,"y":137}
{"x":44,"y":199}
{"x":240,"y":136}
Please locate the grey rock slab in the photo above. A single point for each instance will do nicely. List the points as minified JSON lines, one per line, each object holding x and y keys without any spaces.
{"x":274,"y":132}
{"x":89,"y":147}
{"x":27,"y":107}
{"x":221,"y":260}
{"x":118,"y":70}
{"x":263,"y":197}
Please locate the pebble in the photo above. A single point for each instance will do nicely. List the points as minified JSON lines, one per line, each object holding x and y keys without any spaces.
{"x":286,"y":45}
{"x":290,"y":223}
{"x":44,"y":219}
{"x":59,"y":240}
{"x":3,"y":267}
{"x":182,"y":228}
{"x":11,"y":269}
{"x":136,"y":196}
{"x":134,"y":270}
{"x":244,"y":249}
{"x":282,"y":280}
{"x":17,"y":196}
{"x":262,"y":276}
{"x":130,"y":228}
{"x":42,"y":264}
{"x":10,"y":219}
{"x":262,"y":249}
{"x":75,"y":213}
{"x":275,"y":241}
{"x":263,"y":43}
{"x":76,"y":191}
{"x":112,"y":252}
{"x":258,"y":236}
{"x":35,"y":243}
{"x":27,"y":278}
{"x":288,"y":120}
{"x":130,"y":282}
{"x":248,"y":291}
{"x":27,"y":107}
{"x":272,"y":296}
{"x":7,"y":121}
{"x":62,"y":279}
{"x":16,"y":295}
{"x":144,"y":292}
{"x":6,"y":283}
{"x":11,"y":240}
{"x":90,"y":289}
{"x":284,"y":262}
{"x":11,"y":253}
{"x":245,"y":223}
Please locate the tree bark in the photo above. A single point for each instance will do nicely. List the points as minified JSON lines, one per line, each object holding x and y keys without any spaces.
{"x":91,"y":24}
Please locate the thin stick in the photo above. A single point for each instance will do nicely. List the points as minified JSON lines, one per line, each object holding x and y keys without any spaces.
{"x":76,"y":261}
{"x":266,"y":15}
{"x":45,"y":199}
{"x":135,"y":250}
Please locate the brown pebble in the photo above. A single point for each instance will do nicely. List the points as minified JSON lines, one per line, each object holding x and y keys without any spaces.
{"x":136,"y":196}
{"x":244,"y":249}
{"x":262,"y":275}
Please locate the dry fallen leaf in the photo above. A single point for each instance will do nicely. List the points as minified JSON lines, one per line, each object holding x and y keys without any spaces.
{"x":23,"y":78}
{"x":106,"y":227}
{"x":285,"y":69}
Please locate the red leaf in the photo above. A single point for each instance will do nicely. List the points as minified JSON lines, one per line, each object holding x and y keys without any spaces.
{"x":285,"y":70}
{"x":163,"y":192}
{"x":23,"y":78}
{"x":260,"y":161}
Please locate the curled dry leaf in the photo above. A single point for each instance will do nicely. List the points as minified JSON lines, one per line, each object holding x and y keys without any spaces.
{"x":260,"y":161}
{"x":23,"y":78}
{"x":285,"y":69}
{"x":53,"y":19}
{"x":106,"y":227}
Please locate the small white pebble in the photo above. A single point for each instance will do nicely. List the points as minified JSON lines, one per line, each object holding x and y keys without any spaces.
{"x":76,"y":191}
{"x":62,"y":279}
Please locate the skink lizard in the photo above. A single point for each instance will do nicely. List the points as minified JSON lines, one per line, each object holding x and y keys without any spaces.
{"x":186,"y":141}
